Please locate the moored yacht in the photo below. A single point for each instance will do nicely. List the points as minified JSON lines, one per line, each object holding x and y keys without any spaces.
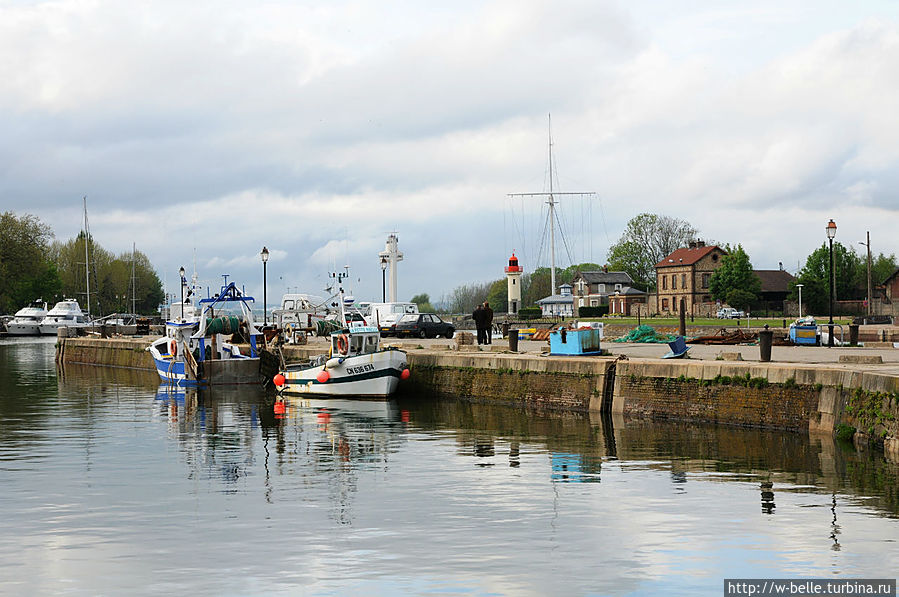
{"x":26,"y":322}
{"x":66,"y":313}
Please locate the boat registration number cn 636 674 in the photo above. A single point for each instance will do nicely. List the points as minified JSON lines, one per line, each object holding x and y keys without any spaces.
{"x":360,"y":369}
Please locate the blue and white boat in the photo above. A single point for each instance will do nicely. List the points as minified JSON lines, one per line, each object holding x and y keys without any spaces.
{"x":195,"y":349}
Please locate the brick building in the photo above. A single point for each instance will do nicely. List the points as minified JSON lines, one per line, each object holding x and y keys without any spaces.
{"x":685,"y":273}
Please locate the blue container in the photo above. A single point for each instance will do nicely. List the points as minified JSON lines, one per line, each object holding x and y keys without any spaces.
{"x":806,"y":335}
{"x":575,"y":342}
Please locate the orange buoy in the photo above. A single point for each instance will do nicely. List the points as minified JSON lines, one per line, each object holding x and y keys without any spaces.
{"x":279,"y":380}
{"x":323,"y":376}
{"x":405,"y":374}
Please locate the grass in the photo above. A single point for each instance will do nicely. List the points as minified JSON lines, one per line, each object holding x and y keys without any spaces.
{"x":711,"y":321}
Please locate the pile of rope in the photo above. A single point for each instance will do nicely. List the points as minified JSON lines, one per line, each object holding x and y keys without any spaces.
{"x":645,"y":334}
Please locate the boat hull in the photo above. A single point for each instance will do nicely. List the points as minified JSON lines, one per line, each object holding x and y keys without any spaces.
{"x":15,"y":328}
{"x":374,"y":375}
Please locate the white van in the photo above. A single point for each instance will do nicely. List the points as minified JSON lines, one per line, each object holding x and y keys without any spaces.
{"x":385,"y":315}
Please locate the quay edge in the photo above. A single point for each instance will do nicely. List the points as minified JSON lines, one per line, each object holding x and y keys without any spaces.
{"x":817,"y":398}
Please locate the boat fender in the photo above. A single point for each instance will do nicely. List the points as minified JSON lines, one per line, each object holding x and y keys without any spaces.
{"x":323,"y":376}
{"x":405,"y":374}
{"x":173,"y":348}
{"x":333,"y":362}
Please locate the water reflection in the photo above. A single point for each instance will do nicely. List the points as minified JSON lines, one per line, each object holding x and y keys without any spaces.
{"x":111,"y":478}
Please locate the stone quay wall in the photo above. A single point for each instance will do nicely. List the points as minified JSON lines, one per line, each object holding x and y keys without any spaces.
{"x":803,"y":397}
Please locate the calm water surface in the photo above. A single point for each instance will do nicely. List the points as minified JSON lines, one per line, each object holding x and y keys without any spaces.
{"x":111,"y":485}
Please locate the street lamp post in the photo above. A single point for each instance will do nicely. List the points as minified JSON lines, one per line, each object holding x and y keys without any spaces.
{"x":264,"y":255}
{"x":831,"y":232}
{"x":181,"y":283}
{"x":799,"y":286}
{"x":383,"y":279}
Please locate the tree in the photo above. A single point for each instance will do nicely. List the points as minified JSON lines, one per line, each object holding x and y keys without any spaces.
{"x":646,"y":240}
{"x":27,"y":272}
{"x":735,"y":274}
{"x":850,"y":281}
{"x":498,"y":296}
{"x":423,"y":301}
{"x":111,"y":284}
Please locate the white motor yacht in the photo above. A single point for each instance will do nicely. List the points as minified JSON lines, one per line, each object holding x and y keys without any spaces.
{"x":66,"y":313}
{"x":26,"y":321}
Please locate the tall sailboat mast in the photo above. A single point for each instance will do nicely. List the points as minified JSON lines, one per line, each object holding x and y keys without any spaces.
{"x":87,"y":271}
{"x":551,"y":201}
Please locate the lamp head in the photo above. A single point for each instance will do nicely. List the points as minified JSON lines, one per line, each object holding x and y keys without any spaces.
{"x":264,"y":254}
{"x":383,"y":263}
{"x":181,"y":271}
{"x":831,"y":230}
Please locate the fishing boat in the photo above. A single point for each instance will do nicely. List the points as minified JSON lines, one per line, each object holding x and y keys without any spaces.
{"x":356,"y":365}
{"x":27,"y":321}
{"x":66,"y":313}
{"x":195,"y":350}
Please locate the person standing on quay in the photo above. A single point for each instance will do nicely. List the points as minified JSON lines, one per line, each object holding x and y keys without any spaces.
{"x":488,"y":323}
{"x":479,"y":316}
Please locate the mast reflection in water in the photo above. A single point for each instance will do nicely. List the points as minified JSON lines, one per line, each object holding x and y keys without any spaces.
{"x":115,"y":485}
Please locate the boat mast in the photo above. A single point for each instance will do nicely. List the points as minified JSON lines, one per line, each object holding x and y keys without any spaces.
{"x":87,"y":273}
{"x":551,"y":201}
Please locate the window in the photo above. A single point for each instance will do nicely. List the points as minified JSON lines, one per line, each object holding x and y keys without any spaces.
{"x":513,"y":281}
{"x":594,"y":303}
{"x":617,"y":286}
{"x":664,"y":304}
{"x":288,"y":304}
{"x":665,"y":284}
{"x":673,"y":281}
{"x":683,"y":280}
{"x":602,"y":287}
{"x":705,"y":280}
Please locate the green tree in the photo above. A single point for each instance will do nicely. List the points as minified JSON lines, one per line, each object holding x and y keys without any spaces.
{"x":646,"y":240}
{"x":850,"y":283}
{"x":882,"y":267}
{"x":27,"y":272}
{"x":423,"y":301}
{"x":498,"y":296}
{"x":735,"y":273}
{"x":111,"y":284}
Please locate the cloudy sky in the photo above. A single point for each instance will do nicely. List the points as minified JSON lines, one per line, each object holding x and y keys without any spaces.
{"x":317,"y":128}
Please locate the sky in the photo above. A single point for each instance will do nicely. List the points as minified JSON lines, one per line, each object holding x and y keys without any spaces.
{"x":200,"y":132}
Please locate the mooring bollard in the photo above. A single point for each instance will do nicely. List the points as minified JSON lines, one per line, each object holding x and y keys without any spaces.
{"x":765,"y":338}
{"x":853,"y":334}
{"x":513,"y":340}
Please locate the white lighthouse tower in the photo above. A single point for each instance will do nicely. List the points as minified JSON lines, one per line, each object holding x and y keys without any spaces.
{"x":513,"y":276}
{"x":393,"y":256}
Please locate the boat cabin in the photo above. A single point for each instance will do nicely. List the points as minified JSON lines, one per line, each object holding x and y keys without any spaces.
{"x":355,"y":341}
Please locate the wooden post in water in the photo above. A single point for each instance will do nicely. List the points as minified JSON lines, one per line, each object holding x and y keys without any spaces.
{"x":682,"y":330}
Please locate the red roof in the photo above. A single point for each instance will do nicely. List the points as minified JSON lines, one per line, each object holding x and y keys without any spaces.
{"x":687,"y":256}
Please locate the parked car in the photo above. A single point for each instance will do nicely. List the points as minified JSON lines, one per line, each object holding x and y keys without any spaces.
{"x":424,"y":325}
{"x":730,"y":313}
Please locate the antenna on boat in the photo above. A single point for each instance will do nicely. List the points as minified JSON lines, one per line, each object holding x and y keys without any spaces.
{"x":551,"y":201}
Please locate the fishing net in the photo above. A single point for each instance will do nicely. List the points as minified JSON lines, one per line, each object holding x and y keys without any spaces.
{"x":645,"y":334}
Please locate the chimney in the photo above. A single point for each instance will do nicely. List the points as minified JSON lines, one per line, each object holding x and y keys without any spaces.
{"x":781,"y":265}
{"x":700,"y":243}
{"x":692,"y":244}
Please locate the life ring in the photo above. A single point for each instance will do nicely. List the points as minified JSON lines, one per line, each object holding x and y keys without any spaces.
{"x":173,"y":348}
{"x":342,"y":343}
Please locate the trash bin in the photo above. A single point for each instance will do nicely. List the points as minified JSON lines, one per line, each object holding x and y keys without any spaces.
{"x":853,"y":334}
{"x":513,"y":340}
{"x":765,"y":338}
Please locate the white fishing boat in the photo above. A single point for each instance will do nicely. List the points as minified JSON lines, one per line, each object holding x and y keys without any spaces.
{"x":194,"y":350}
{"x":65,"y":313}
{"x":27,"y":321}
{"x":356,"y":365}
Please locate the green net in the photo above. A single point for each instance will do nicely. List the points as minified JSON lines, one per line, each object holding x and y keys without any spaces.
{"x":647,"y":334}
{"x":324,"y":327}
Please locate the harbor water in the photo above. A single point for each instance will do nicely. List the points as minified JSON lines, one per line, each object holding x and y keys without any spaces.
{"x":113,"y":485}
